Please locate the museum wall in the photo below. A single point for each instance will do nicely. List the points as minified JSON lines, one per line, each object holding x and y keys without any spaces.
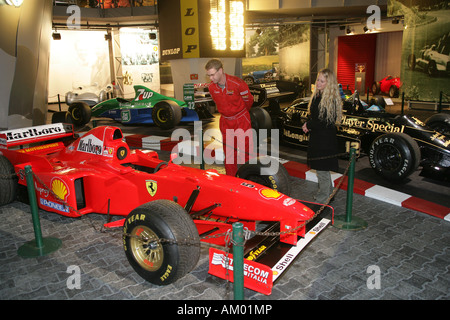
{"x":425,"y":65}
{"x":24,"y":56}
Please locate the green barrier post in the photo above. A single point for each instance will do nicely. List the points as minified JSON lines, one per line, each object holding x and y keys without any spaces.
{"x":347,"y":221}
{"x":238,"y":260}
{"x":39,"y":246}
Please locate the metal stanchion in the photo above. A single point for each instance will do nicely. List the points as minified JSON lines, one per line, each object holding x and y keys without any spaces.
{"x":347,"y":221}
{"x":238,"y":260}
{"x":39,"y":246}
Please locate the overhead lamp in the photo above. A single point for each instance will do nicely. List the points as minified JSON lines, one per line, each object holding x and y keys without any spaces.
{"x":348,"y":31}
{"x":16,"y":3}
{"x":56,"y":36}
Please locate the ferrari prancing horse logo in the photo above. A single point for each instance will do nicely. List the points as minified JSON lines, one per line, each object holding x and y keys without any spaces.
{"x":151,"y":186}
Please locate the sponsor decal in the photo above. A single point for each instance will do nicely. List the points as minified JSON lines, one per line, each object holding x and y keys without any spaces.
{"x":143,"y":94}
{"x":297,"y":136}
{"x":252,"y":255}
{"x":293,"y":252}
{"x":90,"y":144}
{"x":370,"y":124}
{"x":270,"y":194}
{"x":151,"y":186}
{"x":125,"y":115}
{"x":37,"y":148}
{"x":288,"y":202}
{"x":54,"y":205}
{"x":257,"y":277}
{"x":108,"y":152}
{"x":60,"y":189}
{"x":33,"y":132}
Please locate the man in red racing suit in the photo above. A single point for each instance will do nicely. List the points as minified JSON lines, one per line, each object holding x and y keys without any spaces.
{"x":233,"y":100}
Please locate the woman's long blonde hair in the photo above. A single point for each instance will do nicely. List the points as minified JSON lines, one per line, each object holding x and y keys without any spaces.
{"x":331,"y":99}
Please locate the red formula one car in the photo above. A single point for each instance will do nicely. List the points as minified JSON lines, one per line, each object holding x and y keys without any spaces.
{"x":389,"y":85}
{"x":167,"y":208}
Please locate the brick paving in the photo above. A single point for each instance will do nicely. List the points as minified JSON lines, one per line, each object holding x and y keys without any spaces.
{"x":411,"y":250}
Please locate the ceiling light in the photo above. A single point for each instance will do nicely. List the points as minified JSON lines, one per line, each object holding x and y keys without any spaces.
{"x":16,"y":3}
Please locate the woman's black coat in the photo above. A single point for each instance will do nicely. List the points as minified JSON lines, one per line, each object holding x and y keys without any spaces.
{"x":322,"y":140}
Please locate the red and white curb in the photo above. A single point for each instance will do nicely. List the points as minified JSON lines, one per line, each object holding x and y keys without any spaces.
{"x":374,"y":191}
{"x":213,"y":152}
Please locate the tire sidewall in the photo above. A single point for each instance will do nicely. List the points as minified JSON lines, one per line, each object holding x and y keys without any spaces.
{"x":278,"y":181}
{"x":80,"y":113}
{"x":398,"y":142}
{"x":173,"y":111}
{"x":164,"y":275}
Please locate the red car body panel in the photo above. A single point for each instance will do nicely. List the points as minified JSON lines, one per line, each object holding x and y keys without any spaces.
{"x":99,"y":173}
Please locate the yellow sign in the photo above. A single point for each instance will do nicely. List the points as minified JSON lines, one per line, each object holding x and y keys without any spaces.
{"x":189,"y":29}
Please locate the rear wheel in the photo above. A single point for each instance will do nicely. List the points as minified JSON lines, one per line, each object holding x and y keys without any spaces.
{"x":277,"y":180}
{"x":260,"y":118}
{"x":439,"y":122}
{"x":394,"y":156}
{"x":166,"y":114}
{"x":8,"y":181}
{"x":61,"y":116}
{"x":80,"y":113}
{"x":376,"y":88}
{"x":161,"y":241}
{"x":393,"y":91}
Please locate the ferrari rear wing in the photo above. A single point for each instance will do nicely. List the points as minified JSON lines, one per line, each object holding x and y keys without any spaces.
{"x":23,"y":136}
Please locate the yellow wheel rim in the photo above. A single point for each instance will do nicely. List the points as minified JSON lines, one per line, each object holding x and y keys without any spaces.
{"x":147,"y":252}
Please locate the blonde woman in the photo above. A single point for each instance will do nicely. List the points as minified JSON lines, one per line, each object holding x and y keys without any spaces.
{"x":325,"y":111}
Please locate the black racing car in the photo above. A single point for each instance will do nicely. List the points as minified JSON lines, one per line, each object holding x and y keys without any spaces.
{"x":395,"y":144}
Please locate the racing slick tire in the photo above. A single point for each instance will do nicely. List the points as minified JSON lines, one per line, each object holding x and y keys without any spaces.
{"x":166,"y":114}
{"x":432,"y":69}
{"x":439,"y":122}
{"x":394,"y":156}
{"x":8,"y":181}
{"x":412,"y":62}
{"x":161,"y":262}
{"x":80,"y":112}
{"x":375,"y":88}
{"x":260,"y":118}
{"x":278,"y":181}
{"x":61,"y":117}
{"x":393,"y":92}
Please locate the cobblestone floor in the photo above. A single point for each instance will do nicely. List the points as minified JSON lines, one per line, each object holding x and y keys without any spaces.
{"x":409,"y":250}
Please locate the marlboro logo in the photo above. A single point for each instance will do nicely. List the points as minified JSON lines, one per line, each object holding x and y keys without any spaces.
{"x":90,"y":144}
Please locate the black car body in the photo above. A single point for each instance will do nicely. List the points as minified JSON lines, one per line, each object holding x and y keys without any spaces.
{"x":395,"y":144}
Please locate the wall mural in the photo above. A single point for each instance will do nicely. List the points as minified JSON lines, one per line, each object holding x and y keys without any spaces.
{"x":425,"y":49}
{"x":140,"y":59}
{"x":277,"y":53}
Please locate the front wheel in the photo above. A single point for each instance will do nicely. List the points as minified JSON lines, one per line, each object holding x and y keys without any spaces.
{"x":8,"y":181}
{"x":394,"y":156}
{"x":161,"y":241}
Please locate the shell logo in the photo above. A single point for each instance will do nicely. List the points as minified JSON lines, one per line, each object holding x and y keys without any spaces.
{"x":270,"y":193}
{"x":59,"y":188}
